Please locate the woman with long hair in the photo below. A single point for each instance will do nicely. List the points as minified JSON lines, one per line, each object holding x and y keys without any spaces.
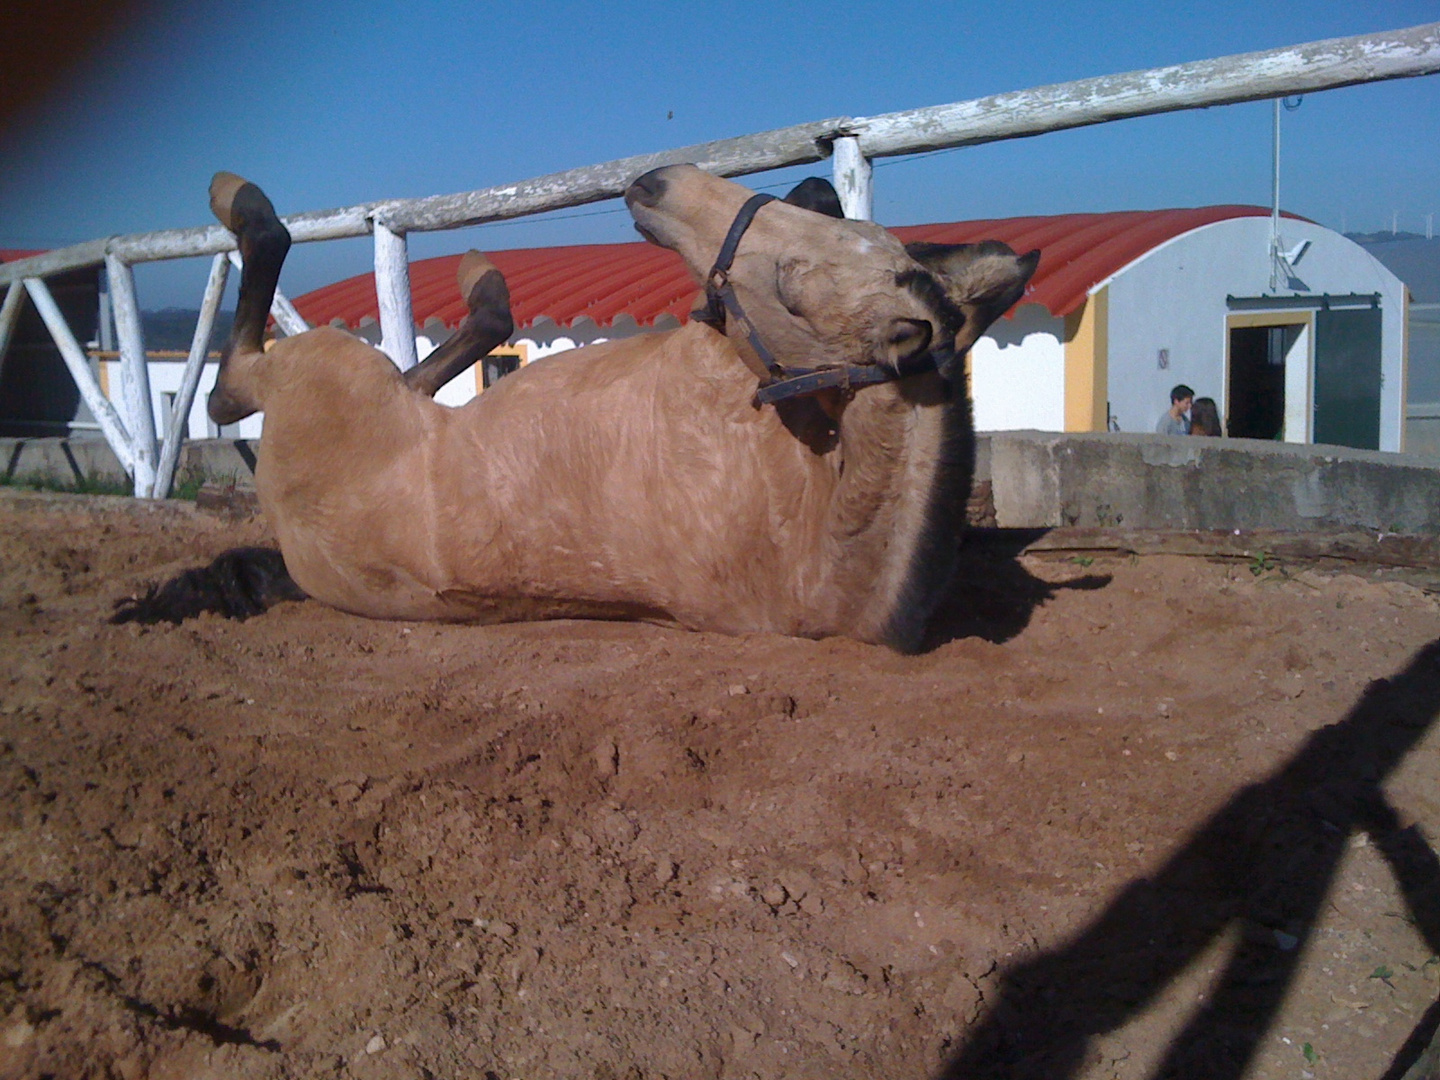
{"x":1204,"y":417}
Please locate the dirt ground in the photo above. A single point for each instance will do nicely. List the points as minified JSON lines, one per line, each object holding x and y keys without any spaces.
{"x":1127,"y":817}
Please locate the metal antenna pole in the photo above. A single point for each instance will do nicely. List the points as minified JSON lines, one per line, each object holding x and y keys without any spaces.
{"x":1275,"y":202}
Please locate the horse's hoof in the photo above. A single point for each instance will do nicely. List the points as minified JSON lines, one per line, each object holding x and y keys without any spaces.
{"x":223,"y":189}
{"x":482,"y":285}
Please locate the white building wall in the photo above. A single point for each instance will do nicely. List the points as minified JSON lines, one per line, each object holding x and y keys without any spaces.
{"x":1017,"y":373}
{"x":1174,"y":299}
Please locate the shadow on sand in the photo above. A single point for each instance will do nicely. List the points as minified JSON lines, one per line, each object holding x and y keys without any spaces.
{"x":1264,"y":862}
{"x":993,"y":596}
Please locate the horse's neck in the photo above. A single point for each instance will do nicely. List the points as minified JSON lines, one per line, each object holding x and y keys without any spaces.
{"x":908,"y":457}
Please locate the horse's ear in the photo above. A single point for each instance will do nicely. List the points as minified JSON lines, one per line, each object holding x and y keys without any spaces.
{"x":984,"y":280}
{"x":818,"y":194}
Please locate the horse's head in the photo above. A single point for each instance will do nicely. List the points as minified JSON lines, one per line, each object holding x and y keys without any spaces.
{"x":822,"y":291}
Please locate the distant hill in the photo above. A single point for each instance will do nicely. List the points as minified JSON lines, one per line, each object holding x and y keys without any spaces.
{"x":1410,"y":257}
{"x":173,"y":328}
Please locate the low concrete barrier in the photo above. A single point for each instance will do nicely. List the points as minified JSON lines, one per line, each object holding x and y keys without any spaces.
{"x":1125,"y":480}
{"x":81,"y":460}
{"x":1034,"y":479}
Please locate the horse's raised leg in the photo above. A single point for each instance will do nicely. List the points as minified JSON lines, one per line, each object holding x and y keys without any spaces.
{"x":264,"y":241}
{"x":489,"y":324}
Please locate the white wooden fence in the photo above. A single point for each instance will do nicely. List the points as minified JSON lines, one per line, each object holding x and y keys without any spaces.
{"x":850,"y":142}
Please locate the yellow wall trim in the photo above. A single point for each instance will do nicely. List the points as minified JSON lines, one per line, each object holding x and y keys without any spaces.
{"x":1087,"y":364}
{"x":521,"y":350}
{"x":1303,"y":317}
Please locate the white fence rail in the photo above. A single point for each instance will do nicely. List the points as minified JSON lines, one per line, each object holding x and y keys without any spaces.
{"x":852,"y":142}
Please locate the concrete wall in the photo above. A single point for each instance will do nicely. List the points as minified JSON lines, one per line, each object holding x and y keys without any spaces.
{"x":1422,"y":430}
{"x":1176,"y":482}
{"x":1038,"y":479}
{"x":70,"y":461}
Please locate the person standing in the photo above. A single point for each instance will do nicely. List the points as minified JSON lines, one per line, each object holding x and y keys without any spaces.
{"x":1176,"y":419}
{"x":1204,"y":417}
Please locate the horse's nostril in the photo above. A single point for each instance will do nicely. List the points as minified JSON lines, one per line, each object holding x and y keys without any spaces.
{"x":648,"y":189}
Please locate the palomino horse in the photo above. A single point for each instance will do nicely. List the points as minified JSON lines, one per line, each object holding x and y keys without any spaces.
{"x":795,"y":460}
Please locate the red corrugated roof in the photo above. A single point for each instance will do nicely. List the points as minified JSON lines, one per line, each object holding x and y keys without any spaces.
{"x":604,"y":281}
{"x":15,"y":255}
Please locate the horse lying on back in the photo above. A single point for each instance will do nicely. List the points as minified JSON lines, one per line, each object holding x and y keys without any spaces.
{"x":796,"y":459}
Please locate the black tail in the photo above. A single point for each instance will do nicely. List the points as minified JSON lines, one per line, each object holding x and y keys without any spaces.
{"x":240,"y":583}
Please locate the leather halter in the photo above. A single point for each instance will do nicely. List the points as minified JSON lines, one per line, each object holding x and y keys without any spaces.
{"x":777,"y":382}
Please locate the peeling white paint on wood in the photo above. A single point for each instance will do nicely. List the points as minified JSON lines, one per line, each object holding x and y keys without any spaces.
{"x":134,"y":376}
{"x":9,"y":316}
{"x":853,"y":176}
{"x":392,"y":291}
{"x":99,"y":405}
{"x":1228,"y":80}
{"x":179,"y":418}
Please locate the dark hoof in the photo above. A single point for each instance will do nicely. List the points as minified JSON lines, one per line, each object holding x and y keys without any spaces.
{"x":473,"y":266}
{"x":224,"y":409}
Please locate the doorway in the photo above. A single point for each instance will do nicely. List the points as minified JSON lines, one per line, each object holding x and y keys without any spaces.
{"x":1255,"y":405}
{"x":1267,"y":375}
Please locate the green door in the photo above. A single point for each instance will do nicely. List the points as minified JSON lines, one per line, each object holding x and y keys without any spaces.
{"x":1347,"y":377}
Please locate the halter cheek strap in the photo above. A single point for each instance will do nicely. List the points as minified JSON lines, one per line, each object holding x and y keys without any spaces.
{"x":720,"y":293}
{"x":778,"y":383}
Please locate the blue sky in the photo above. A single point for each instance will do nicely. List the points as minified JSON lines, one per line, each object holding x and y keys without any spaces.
{"x":329,"y":104}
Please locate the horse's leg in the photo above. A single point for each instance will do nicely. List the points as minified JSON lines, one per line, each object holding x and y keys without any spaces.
{"x":489,"y":324}
{"x":264,"y":241}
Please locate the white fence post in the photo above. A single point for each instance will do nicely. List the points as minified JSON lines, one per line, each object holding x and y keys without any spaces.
{"x":111,"y":426}
{"x":134,"y":376}
{"x":853,"y":179}
{"x":177,"y":423}
{"x":392,"y":290}
{"x":9,"y":316}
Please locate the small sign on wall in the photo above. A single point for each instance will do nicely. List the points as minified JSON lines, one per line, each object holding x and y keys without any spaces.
{"x":1164,"y":359}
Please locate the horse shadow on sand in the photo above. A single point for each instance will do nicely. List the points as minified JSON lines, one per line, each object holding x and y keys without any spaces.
{"x":993,"y":596}
{"x":1263,"y":863}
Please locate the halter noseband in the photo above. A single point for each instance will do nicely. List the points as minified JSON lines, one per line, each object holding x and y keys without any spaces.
{"x":778,"y":383}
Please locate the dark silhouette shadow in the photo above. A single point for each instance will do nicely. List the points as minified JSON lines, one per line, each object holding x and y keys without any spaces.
{"x":238,"y":584}
{"x":1264,"y":863}
{"x":993,"y":596}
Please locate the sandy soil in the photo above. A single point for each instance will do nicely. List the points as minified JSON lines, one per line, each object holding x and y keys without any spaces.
{"x":1128,"y":817}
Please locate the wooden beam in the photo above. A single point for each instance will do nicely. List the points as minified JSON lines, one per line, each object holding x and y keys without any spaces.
{"x":1227,"y":80}
{"x":111,"y":426}
{"x":134,"y":376}
{"x":798,"y":145}
{"x":177,"y":423}
{"x":392,"y":290}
